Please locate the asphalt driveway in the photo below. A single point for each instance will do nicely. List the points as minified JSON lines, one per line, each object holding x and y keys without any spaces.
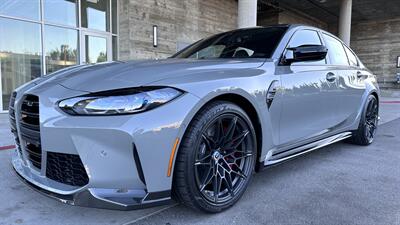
{"x":339,"y":184}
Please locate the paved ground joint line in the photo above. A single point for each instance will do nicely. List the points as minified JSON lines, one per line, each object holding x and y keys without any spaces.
{"x":390,"y":102}
{"x":150,"y":214}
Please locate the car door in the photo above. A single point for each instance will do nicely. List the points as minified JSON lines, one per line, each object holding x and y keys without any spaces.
{"x":350,"y":80}
{"x":307,"y":95}
{"x":352,"y":84}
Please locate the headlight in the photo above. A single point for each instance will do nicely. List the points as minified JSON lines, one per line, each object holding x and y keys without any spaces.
{"x":119,"y":102}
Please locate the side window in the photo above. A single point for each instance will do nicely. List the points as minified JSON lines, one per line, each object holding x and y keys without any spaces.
{"x":336,"y":52}
{"x":306,"y":37}
{"x":352,"y":57}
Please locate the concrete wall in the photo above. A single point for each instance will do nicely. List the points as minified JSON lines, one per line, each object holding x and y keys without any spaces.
{"x":267,"y":18}
{"x":288,"y":17}
{"x":377,"y":43}
{"x":178,"y":21}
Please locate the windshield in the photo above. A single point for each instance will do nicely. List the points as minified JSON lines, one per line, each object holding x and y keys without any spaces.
{"x":247,"y":43}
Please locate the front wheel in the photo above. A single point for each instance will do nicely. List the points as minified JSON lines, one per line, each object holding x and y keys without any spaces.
{"x":366,"y":131}
{"x":216,"y":158}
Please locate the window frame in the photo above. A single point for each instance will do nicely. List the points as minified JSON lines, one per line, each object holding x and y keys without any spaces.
{"x":108,"y":17}
{"x":53,"y":23}
{"x":22,"y":18}
{"x":37,"y":46}
{"x":46,"y":49}
{"x":78,"y":27}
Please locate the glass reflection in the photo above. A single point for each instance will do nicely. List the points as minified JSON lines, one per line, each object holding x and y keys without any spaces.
{"x":114,"y":15}
{"x":25,"y":9}
{"x":20,"y":55}
{"x":115,"y":48}
{"x":60,"y":47}
{"x":60,"y":11}
{"x":95,"y":14}
{"x":96,"y":49}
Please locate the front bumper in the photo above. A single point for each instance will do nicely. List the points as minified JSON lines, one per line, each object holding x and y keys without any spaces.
{"x":125,"y":157}
{"x":115,"y":199}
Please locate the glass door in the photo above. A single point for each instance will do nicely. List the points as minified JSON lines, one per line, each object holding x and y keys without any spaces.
{"x":95,"y":48}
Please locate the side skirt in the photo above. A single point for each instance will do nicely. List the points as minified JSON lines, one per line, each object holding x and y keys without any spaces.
{"x":298,"y":151}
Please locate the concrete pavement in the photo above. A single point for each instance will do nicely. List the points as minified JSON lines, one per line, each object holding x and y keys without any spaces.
{"x":339,"y":184}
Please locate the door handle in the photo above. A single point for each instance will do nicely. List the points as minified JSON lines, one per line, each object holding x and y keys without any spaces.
{"x":331,"y":77}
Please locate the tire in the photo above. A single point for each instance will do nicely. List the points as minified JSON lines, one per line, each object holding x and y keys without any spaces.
{"x":220,"y":138}
{"x":366,"y":131}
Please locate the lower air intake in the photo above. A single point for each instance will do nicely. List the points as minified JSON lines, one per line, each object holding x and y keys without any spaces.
{"x":66,"y":169}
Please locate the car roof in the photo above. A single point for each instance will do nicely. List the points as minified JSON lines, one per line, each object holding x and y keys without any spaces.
{"x":302,"y":26}
{"x":288,"y":26}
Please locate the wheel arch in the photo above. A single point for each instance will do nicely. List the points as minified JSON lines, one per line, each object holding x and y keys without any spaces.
{"x":375,"y":94}
{"x":251,"y":111}
{"x":370,"y":90}
{"x":245,"y":104}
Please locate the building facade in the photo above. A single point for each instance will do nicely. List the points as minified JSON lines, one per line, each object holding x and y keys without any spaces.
{"x":179,"y":22}
{"x":42,"y":36}
{"x":38,"y":37}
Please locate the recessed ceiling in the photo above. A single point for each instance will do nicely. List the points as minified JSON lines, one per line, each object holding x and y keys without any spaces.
{"x":328,"y":10}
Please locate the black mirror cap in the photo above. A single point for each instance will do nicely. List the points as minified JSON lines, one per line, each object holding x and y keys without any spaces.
{"x":305,"y":53}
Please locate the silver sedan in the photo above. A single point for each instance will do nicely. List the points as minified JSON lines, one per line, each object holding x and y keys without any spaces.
{"x":194,"y":127}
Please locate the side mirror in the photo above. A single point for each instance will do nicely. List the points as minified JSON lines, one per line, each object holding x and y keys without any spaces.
{"x":305,"y":53}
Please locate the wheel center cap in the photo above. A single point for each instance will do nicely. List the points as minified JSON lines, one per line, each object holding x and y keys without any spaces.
{"x":216,"y":155}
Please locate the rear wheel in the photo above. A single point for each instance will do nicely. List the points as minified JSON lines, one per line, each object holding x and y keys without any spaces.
{"x":216,"y":158}
{"x":366,"y":131}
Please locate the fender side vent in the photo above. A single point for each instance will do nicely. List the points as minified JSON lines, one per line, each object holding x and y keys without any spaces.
{"x":271,"y":93}
{"x":138,"y":165}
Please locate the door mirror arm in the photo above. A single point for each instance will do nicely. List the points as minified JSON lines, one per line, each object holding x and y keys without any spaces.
{"x":287,"y":58}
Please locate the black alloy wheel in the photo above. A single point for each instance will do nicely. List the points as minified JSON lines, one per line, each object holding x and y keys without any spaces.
{"x":367,"y":128}
{"x":371,"y":119}
{"x":224,"y":158}
{"x":216,"y":159}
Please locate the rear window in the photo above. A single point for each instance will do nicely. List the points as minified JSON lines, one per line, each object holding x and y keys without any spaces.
{"x":246,"y":43}
{"x":336,"y":52}
{"x":352,"y":57}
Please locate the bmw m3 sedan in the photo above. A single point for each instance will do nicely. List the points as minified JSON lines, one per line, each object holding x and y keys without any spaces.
{"x":193,"y":127}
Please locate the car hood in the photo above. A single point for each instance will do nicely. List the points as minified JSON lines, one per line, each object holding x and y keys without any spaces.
{"x":115,"y":75}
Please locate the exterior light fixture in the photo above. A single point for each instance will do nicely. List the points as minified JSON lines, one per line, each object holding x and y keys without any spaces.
{"x":398,"y":62}
{"x":155,"y":36}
